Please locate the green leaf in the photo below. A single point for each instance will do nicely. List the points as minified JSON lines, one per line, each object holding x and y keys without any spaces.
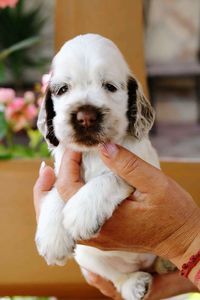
{"x":5,"y":152}
{"x":35,"y":138}
{"x":2,"y":72}
{"x":27,"y":43}
{"x":18,"y":26}
{"x":3,"y":125}
{"x":43,"y":150}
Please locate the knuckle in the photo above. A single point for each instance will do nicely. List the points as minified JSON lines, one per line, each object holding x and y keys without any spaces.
{"x":164,"y":184}
{"x":129,"y":165}
{"x":61,"y":186}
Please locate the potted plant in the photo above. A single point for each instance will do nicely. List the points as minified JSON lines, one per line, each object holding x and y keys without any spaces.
{"x":18,"y":136}
{"x":20,"y":32}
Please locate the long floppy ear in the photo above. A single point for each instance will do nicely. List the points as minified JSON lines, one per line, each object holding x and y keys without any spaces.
{"x":50,"y":114}
{"x":140,"y":112}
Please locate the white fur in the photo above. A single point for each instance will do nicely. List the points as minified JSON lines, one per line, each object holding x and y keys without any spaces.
{"x":83,"y":63}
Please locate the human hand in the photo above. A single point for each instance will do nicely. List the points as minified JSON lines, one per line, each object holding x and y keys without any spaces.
{"x":67,"y":183}
{"x":163,"y":286}
{"x":164,"y":220}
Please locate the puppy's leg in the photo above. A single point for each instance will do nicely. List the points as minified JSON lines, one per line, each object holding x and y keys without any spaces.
{"x":132,"y":286}
{"x":135,"y":286}
{"x":93,"y":204}
{"x":51,"y":239}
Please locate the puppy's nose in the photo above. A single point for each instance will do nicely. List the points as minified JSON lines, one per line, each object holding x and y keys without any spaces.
{"x":86,"y":118}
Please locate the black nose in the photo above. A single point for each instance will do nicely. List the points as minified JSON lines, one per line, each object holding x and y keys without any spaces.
{"x":86,"y":117}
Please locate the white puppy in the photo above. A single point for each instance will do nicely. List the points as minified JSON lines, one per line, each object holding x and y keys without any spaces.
{"x":93,"y":98}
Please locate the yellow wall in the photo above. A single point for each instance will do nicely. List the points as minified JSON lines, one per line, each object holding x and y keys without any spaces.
{"x":119,"y":20}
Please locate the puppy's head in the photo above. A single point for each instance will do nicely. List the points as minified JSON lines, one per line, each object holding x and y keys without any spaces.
{"x":92,"y":97}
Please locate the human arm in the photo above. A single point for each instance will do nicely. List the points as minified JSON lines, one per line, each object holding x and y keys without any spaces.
{"x":163,"y":286}
{"x":164,"y":214}
{"x":166,"y":218}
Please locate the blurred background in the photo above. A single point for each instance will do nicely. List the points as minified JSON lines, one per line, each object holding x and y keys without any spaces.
{"x":28,"y":41}
{"x":160,"y":40}
{"x":172,"y":52}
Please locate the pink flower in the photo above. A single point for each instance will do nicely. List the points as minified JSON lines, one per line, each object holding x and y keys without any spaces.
{"x":45,"y":82}
{"x":29,"y":97}
{"x":30,"y":112}
{"x":10,"y":3}
{"x":20,"y":114}
{"x":6,"y":95}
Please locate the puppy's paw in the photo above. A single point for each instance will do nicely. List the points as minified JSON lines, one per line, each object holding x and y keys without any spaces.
{"x":54,"y":247}
{"x":136,"y":286}
{"x":51,"y":239}
{"x":80,"y":220}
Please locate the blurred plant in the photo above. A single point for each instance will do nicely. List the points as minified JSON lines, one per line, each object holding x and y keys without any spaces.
{"x":10,"y":3}
{"x":27,"y":298}
{"x":19,"y":32}
{"x":19,"y":114}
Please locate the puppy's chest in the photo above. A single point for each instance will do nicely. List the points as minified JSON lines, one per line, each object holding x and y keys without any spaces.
{"x":92,"y":166}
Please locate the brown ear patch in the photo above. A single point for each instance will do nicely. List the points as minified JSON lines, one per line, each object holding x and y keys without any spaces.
{"x":132,"y":87}
{"x":140,"y":112}
{"x":50,"y":114}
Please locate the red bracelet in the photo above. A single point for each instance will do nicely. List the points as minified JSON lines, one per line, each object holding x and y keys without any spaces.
{"x":197,"y":278}
{"x":187,"y":267}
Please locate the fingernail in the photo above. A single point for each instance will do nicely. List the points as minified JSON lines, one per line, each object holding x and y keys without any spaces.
{"x":85,"y":272}
{"x":109,"y":150}
{"x":88,"y":275}
{"x":43,"y":164}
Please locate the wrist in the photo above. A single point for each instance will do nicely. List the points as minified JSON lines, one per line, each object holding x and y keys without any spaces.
{"x":189,"y":262}
{"x":183,"y":243}
{"x":192,"y":249}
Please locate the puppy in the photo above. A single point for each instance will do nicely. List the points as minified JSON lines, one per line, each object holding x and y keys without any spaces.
{"x":93,"y":98}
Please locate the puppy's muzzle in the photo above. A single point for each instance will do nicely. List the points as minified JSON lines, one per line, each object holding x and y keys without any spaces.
{"x":87,"y":121}
{"x":86,"y":118}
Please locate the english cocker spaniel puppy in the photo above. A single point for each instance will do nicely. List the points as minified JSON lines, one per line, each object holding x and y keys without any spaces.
{"x":93,"y":98}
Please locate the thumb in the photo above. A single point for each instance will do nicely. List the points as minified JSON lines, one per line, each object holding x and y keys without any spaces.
{"x":45,"y":181}
{"x":130,"y":167}
{"x":43,"y":184}
{"x":69,"y":177}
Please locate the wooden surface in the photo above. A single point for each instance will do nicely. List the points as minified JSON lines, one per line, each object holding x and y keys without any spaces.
{"x":187,"y":174}
{"x":23,"y":272}
{"x":120,"y":21}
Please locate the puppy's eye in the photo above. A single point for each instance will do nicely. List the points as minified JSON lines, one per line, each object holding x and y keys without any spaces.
{"x":109,"y":87}
{"x":62,"y":90}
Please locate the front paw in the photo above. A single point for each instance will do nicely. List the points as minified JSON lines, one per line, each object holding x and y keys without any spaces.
{"x":81,"y":219}
{"x":51,"y":239}
{"x":54,"y":247}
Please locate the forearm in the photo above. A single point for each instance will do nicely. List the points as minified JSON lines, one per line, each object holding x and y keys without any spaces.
{"x":170,"y":285}
{"x":192,"y":250}
{"x":180,"y":246}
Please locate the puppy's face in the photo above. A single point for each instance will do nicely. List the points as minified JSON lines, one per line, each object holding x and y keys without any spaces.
{"x":92,"y":98}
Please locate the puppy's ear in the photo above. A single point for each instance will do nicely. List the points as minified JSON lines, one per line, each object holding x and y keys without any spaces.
{"x":50,"y":114}
{"x":140,"y":112}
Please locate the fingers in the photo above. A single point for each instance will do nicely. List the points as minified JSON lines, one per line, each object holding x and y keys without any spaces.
{"x":69,"y":177}
{"x":43,"y":184}
{"x":130,"y":167}
{"x":169,"y":285}
{"x":106,"y":287}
